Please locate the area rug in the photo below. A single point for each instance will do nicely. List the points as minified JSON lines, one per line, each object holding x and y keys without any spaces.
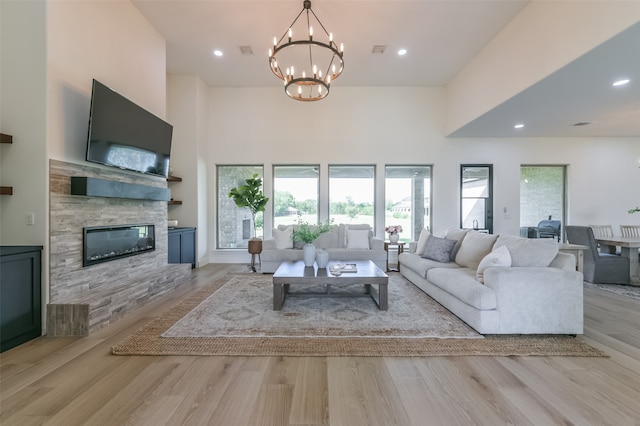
{"x":622,"y":290}
{"x":234,"y":316}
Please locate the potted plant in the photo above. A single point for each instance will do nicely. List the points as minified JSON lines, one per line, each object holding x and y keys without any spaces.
{"x":250,"y":196}
{"x":307,"y":234}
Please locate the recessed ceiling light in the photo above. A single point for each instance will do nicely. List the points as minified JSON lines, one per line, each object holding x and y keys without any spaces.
{"x":621,"y":82}
{"x":217,"y":52}
{"x":402,"y":52}
{"x":518,"y":126}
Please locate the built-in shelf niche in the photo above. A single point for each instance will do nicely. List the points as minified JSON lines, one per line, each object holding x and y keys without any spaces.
{"x":6,"y":190}
{"x":173,"y":202}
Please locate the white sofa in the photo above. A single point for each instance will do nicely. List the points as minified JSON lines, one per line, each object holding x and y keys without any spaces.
{"x":280,"y":247}
{"x":528,"y":286}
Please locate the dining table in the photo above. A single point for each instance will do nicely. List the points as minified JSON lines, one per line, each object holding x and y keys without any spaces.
{"x":628,"y":248}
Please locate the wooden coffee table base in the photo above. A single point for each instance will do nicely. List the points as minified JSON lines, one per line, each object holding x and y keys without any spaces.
{"x":295,"y":273}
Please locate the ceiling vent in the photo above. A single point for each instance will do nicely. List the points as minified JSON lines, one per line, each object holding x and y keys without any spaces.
{"x":246,"y":50}
{"x":378,"y":49}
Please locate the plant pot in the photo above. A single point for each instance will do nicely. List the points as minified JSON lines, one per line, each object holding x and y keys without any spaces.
{"x":322,"y":258}
{"x":255,"y":246}
{"x":309,"y":254}
{"x":394,"y":238}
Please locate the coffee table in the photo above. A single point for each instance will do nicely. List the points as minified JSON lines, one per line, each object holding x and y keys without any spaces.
{"x":295,"y":273}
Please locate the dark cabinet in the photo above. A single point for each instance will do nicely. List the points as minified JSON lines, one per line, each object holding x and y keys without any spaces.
{"x":182,"y":246}
{"x":20,"y":303}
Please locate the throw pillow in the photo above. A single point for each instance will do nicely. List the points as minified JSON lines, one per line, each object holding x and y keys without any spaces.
{"x":498,"y":257}
{"x":357,"y":239}
{"x":422,"y":241}
{"x":474,"y":247}
{"x":283,"y":238}
{"x":438,"y":249}
{"x":529,"y":252}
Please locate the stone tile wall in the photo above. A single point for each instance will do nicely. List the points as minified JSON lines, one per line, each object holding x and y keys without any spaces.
{"x":110,"y":289}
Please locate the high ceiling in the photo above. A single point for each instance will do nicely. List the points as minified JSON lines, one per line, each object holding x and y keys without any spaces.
{"x":441,"y":37}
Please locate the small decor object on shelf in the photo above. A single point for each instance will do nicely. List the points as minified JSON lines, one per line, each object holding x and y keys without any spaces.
{"x":636,"y":210}
{"x":393,"y":231}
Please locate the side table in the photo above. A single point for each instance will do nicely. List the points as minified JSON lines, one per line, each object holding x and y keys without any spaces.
{"x":399,"y":247}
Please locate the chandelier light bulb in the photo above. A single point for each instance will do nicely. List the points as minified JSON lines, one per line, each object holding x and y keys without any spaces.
{"x":270,"y":53}
{"x":310,"y":33}
{"x":275,"y":42}
{"x":290,"y":34}
{"x":341,"y":47}
{"x":304,"y":74}
{"x":330,"y":37}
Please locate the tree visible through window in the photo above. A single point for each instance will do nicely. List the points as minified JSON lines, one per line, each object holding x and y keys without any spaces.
{"x":352,"y":194}
{"x":295,"y":193}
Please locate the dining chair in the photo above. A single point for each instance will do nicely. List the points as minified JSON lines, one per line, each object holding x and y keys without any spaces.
{"x":630,"y":230}
{"x":602,"y":231}
{"x":602,"y":268}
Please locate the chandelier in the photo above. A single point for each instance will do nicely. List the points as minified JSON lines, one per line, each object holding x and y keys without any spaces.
{"x":309,"y":64}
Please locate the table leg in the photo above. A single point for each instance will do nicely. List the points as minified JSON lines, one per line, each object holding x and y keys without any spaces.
{"x":634,"y":268}
{"x":278,"y":296}
{"x":382,"y":290}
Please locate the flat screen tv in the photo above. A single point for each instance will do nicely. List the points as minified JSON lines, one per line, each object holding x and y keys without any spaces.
{"x":125,"y":135}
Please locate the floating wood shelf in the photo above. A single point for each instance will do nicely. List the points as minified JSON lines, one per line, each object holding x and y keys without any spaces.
{"x":174,"y":179}
{"x":175,"y":203}
{"x":6,"y":138}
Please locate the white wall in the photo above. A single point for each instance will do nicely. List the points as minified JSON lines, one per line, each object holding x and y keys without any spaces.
{"x":23,"y":164}
{"x":406,"y":126}
{"x":544,"y":37}
{"x":187,"y":98}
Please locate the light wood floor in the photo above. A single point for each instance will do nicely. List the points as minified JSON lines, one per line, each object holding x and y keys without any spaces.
{"x":75,"y":381}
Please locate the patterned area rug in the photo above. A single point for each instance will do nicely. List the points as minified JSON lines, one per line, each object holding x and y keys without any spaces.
{"x":234,"y":316}
{"x":622,"y":290}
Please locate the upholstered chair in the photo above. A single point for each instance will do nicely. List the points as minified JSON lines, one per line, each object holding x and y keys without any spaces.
{"x":599,"y":267}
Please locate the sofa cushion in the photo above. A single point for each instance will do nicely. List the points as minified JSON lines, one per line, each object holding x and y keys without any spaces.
{"x":529,"y":252}
{"x":357,"y":239}
{"x":498,"y":257}
{"x":438,"y":249}
{"x":462,"y":284}
{"x":422,"y":241}
{"x":474,"y":247}
{"x":457,"y":234}
{"x":327,"y":240}
{"x":283,"y":237}
{"x":342,"y":232}
{"x":421,"y":266}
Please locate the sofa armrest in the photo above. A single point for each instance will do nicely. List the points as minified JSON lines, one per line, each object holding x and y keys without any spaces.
{"x":538,"y":298}
{"x":376,"y":243}
{"x":269,"y":243}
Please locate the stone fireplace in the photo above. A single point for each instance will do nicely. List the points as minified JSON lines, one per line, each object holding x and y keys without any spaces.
{"x":86,"y":297}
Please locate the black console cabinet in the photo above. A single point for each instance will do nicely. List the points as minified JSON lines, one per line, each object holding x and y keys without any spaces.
{"x":182,"y":246}
{"x":20,"y":304}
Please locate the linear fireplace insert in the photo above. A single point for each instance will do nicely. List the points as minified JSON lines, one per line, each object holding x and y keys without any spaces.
{"x":105,"y":243}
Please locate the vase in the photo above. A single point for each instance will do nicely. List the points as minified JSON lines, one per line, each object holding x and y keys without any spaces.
{"x":309,"y":254}
{"x":322,"y":258}
{"x":394,"y":238}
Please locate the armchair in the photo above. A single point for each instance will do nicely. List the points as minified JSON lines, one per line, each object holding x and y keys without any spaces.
{"x":598,"y":267}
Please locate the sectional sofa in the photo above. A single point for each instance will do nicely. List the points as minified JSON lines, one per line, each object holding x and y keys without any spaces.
{"x":342,"y":242}
{"x":499,"y":284}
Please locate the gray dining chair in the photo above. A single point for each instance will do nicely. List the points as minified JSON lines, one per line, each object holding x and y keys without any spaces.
{"x":601,"y":268}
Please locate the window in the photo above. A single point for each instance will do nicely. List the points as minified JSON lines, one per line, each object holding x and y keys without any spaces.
{"x":234,"y":224}
{"x":295,"y":194}
{"x":352,"y":194}
{"x":476,"y":196}
{"x":408,"y":199}
{"x":542,"y":195}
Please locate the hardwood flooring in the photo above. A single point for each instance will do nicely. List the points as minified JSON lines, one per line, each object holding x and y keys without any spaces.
{"x":75,"y":381}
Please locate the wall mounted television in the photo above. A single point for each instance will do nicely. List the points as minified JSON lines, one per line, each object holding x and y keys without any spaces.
{"x":125,"y":135}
